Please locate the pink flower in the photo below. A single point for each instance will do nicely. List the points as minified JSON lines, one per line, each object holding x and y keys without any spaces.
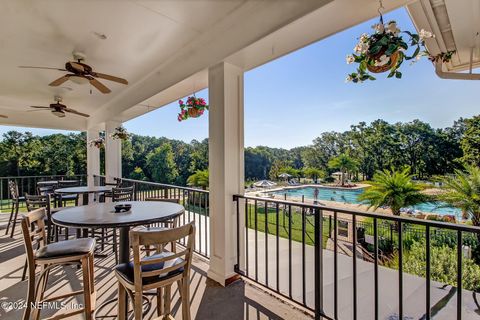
{"x":180,"y":101}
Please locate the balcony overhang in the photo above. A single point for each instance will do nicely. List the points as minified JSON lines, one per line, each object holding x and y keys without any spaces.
{"x":456,"y":25}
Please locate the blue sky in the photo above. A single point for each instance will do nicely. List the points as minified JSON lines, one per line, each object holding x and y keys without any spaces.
{"x":292,"y":100}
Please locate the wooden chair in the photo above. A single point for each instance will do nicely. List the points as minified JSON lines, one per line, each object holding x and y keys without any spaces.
{"x":122,"y":194}
{"x":62,"y":199}
{"x":158,"y":271}
{"x":16,"y":199}
{"x":173,"y":223}
{"x":108,"y":194}
{"x":48,"y":256}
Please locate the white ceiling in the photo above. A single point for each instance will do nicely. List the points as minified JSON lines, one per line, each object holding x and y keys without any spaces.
{"x":141,"y":35}
{"x":155,"y":45}
{"x":164,"y":47}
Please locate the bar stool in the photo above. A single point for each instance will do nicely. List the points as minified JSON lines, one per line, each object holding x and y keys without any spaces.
{"x":159,"y":271}
{"x":16,"y":199}
{"x":49,"y":256}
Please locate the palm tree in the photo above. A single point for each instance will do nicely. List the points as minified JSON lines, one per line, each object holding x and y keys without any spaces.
{"x":394,"y":189}
{"x":199,"y":179}
{"x":463,"y":191}
{"x":343,"y":163}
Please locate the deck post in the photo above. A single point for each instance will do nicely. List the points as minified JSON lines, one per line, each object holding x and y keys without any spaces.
{"x":93,"y":157}
{"x":113,"y":153}
{"x":226,"y":168}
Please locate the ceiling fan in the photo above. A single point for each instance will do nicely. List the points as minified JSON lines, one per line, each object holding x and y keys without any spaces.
{"x":58,"y":109}
{"x":81,"y":73}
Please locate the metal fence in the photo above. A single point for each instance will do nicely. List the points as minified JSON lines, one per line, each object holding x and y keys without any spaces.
{"x":280,"y":238}
{"x":28,"y":184}
{"x":195,"y":201}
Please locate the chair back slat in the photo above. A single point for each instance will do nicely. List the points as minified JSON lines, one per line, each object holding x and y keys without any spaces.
{"x":158,"y":239}
{"x":122,"y":194}
{"x":45,"y":189}
{"x":34,"y":235}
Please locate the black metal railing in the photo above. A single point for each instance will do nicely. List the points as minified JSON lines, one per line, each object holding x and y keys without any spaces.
{"x":195,"y":201}
{"x":350,"y":264}
{"x":28,"y":184}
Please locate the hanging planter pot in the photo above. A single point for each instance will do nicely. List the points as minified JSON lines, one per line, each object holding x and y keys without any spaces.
{"x":378,"y":67}
{"x":97,"y":143}
{"x":120,"y":133}
{"x":193,"y":108}
{"x":385,"y":50}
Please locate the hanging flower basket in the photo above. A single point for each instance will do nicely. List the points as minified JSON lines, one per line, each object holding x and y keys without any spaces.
{"x":193,"y":108}
{"x":97,"y":143}
{"x":120,"y":133}
{"x":385,"y":50}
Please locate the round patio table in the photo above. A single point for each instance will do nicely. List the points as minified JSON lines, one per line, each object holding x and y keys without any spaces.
{"x":85,"y":191}
{"x":49,"y":182}
{"x":103,"y":215}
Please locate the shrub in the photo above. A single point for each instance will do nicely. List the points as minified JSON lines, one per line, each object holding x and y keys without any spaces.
{"x":443,"y":265}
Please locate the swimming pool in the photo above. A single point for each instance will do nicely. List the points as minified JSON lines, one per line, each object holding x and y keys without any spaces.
{"x":351,"y":196}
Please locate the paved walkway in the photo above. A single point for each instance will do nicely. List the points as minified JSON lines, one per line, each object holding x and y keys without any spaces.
{"x":443,"y":298}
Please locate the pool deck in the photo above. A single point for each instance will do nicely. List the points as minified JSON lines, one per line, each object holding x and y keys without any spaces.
{"x":333,"y":204}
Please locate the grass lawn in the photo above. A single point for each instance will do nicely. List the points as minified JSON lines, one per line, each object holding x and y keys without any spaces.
{"x":283,"y":224}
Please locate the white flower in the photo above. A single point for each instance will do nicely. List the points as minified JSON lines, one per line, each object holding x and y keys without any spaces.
{"x":350,"y":59}
{"x":425,"y":34}
{"x":364,"y":37}
{"x":383,"y":60}
{"x":349,"y":79}
{"x":379,"y":28}
{"x":361,"y":48}
{"x":392,"y":28}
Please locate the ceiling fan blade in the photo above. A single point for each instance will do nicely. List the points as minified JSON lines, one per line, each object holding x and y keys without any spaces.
{"x":59,"y":81}
{"x":109,"y":77}
{"x":3,"y":116}
{"x":97,"y":84}
{"x":46,"y":68}
{"x":40,"y":107}
{"x":36,"y":110}
{"x":76,"y":112}
{"x":77,"y":66}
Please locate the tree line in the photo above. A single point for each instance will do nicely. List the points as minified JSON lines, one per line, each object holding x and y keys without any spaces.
{"x":370,"y":147}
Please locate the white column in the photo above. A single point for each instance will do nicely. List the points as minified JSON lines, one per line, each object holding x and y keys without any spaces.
{"x":226,"y":166}
{"x":93,"y":157}
{"x":113,"y":153}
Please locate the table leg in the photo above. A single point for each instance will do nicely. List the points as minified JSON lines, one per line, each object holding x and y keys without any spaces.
{"x":124,"y":257}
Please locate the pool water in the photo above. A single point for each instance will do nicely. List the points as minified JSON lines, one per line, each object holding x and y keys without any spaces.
{"x":351,"y":196}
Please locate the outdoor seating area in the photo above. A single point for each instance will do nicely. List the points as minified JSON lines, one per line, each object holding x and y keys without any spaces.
{"x":207,"y":298}
{"x":47,"y":240}
{"x":239,"y":159}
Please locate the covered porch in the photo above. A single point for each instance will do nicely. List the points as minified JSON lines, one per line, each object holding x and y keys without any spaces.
{"x":239,"y":36}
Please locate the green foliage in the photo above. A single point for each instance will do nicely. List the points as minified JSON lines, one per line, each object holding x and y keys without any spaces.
{"x":138,"y":174}
{"x":199,"y":179}
{"x":470,"y":142}
{"x":394,"y":189}
{"x":344,"y":163}
{"x":161,"y":164}
{"x":314,"y":173}
{"x":463,"y":191}
{"x":443,"y":265}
